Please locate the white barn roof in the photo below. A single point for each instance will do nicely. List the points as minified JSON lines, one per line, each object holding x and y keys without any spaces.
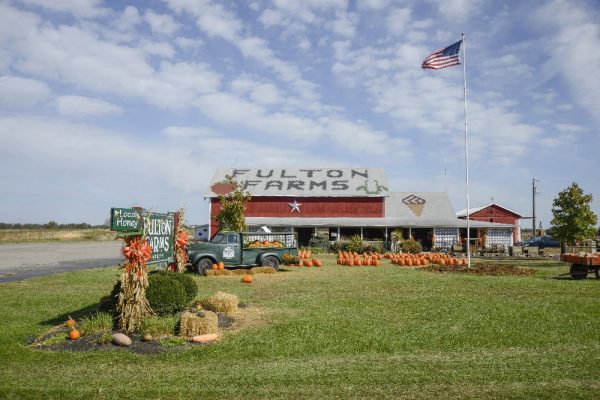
{"x":306,"y":182}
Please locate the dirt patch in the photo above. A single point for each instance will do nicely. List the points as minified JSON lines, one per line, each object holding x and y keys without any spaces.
{"x":482,"y":269}
{"x":56,"y":339}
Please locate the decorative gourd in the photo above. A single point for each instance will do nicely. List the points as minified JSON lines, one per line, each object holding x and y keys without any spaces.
{"x":74,"y":334}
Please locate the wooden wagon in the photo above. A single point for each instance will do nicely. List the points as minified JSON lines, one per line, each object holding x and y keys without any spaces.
{"x":581,"y":265}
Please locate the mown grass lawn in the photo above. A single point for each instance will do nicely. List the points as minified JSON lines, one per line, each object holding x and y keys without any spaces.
{"x":332,"y":332}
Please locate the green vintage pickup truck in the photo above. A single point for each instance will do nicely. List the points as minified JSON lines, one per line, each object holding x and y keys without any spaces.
{"x":236,"y":249}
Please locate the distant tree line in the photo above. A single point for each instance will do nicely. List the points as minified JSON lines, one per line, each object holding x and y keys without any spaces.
{"x":50,"y":225}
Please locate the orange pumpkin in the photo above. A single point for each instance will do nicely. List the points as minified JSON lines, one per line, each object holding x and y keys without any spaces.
{"x":214,"y":267}
{"x":70,"y":322}
{"x":221,"y":265}
{"x":247,"y":279}
{"x":308,"y":263}
{"x":74,"y":334}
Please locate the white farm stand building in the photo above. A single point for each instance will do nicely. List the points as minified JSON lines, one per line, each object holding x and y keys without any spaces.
{"x":341,"y":202}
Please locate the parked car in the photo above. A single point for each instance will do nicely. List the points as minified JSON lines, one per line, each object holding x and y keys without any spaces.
{"x":540,"y":241}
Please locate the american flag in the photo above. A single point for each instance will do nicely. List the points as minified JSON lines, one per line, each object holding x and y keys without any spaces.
{"x":442,"y":58}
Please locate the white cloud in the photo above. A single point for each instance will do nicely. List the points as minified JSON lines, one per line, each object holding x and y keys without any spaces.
{"x":344,"y":24}
{"x":128,"y":19}
{"x":397,"y":20}
{"x":215,"y":20}
{"x":79,"y":106}
{"x":573,"y":48}
{"x":457,"y":9}
{"x":428,"y":102}
{"x":263,"y":93}
{"x":162,"y":24}
{"x":570,"y":128}
{"x":85,"y":166}
{"x":21,"y":93}
{"x":79,"y":8}
{"x":187,"y":132}
{"x":187,"y":43}
{"x":71,"y":55}
{"x":372,"y":4}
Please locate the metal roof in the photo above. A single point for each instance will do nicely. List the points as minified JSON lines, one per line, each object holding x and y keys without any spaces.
{"x":305,"y":182}
{"x":463,"y":212}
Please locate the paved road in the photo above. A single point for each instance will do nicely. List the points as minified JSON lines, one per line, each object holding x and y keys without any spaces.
{"x":25,"y":260}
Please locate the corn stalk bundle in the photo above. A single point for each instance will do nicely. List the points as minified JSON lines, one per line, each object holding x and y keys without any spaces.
{"x":133,"y":305}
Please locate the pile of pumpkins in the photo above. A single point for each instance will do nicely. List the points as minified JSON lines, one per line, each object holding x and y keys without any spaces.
{"x":307,"y":261}
{"x":265,"y":243}
{"x":422,"y":259}
{"x":353,"y":258}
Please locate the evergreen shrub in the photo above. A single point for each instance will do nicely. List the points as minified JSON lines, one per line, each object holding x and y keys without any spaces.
{"x":165,"y":294}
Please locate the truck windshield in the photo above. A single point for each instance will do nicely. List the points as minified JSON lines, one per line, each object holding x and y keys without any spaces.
{"x":217,"y":239}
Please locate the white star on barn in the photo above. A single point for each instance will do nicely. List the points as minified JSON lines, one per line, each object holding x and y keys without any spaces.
{"x":295,"y":206}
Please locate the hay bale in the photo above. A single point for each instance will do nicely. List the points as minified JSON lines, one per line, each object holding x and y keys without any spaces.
{"x":192,"y":325}
{"x":263,"y":270}
{"x":221,"y":302}
{"x":242,"y":271}
{"x":218,"y":272}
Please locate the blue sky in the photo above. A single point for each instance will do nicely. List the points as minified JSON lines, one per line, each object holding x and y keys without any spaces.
{"x":112,"y":104}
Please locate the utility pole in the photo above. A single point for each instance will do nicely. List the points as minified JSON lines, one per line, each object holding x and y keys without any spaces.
{"x":533,"y":190}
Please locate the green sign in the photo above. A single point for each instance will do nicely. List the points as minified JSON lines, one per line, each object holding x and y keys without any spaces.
{"x":160,"y":234}
{"x":159,"y":230}
{"x":126,"y":220}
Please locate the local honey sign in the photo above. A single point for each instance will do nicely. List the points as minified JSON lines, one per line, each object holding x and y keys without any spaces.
{"x":157,"y":228}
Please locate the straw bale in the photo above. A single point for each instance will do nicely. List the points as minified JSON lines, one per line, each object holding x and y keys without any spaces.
{"x":218,"y":272}
{"x":263,"y":270}
{"x":221,"y":302}
{"x":191,"y":324}
{"x":242,"y":271}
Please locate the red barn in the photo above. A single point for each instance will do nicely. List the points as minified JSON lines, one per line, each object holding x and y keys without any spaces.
{"x":305,"y":193}
{"x":341,"y":202}
{"x":496,"y":214}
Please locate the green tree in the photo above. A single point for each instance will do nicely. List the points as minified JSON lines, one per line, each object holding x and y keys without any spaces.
{"x":233,"y":204}
{"x":52,"y":225}
{"x":573,"y":219}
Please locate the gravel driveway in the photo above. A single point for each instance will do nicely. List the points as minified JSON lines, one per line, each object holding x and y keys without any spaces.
{"x":24,"y":260}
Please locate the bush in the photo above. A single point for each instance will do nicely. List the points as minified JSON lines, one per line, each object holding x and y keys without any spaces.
{"x":375,"y":246}
{"x":165,"y":294}
{"x":319,"y":243}
{"x":189,"y":284}
{"x":355,"y":244}
{"x":411,"y":246}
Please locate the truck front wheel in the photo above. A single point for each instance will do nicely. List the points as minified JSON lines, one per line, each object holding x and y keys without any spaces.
{"x":272,"y":262}
{"x":204,"y":265}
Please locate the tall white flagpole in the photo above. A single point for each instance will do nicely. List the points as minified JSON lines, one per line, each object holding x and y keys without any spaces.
{"x":464,"y":44}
